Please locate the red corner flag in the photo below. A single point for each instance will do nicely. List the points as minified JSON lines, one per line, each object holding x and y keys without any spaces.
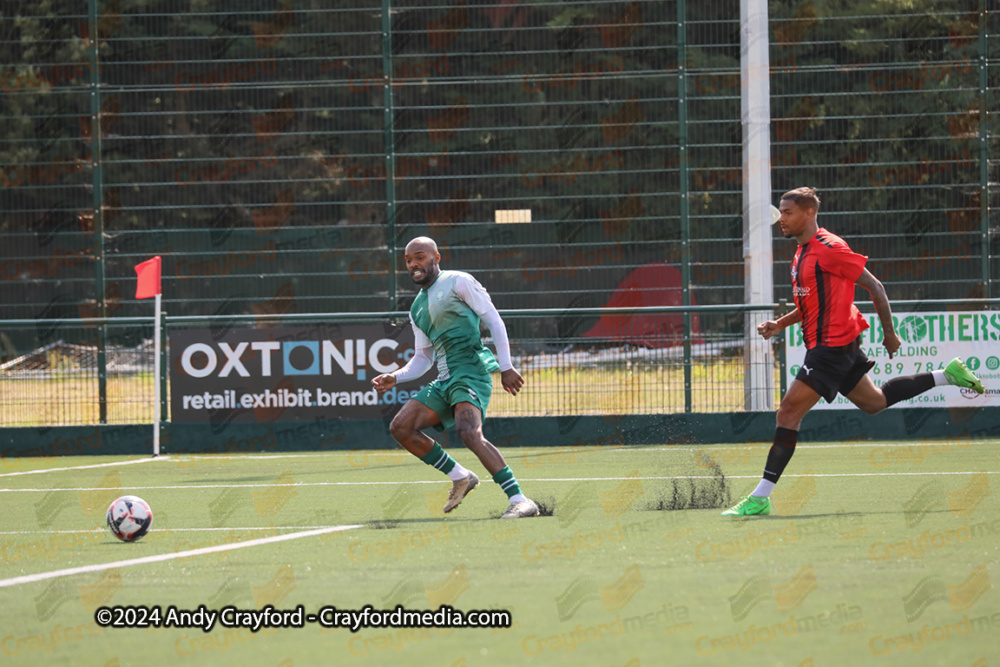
{"x":149,"y":278}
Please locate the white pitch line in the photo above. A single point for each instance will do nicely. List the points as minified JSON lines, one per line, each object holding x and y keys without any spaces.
{"x":754,"y":445}
{"x":241,"y":486}
{"x":235,"y":457}
{"x":42,"y":576}
{"x":829,"y":474}
{"x":619,"y":449}
{"x":96,"y":531}
{"x":95,"y":465}
{"x":609,"y":447}
{"x":523,"y":479}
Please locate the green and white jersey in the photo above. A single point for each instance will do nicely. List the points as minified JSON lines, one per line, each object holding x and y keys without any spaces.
{"x":446,"y":316}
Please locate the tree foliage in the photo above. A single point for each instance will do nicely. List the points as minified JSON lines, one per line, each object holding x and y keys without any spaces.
{"x":262,"y":153}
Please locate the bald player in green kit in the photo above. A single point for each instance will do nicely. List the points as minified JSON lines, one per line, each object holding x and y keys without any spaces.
{"x":445,"y":317}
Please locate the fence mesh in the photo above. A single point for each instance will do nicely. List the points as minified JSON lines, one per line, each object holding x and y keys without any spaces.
{"x":279,"y":155}
{"x":59,"y":383}
{"x":621,"y":365}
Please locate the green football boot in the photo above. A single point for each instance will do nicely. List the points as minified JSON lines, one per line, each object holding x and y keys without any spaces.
{"x":750,"y":506}
{"x":960,"y":376}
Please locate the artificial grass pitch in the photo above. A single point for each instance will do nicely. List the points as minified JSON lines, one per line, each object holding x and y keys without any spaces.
{"x":877,"y":553}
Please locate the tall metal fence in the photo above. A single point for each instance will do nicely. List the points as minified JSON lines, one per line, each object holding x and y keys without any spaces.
{"x":279,"y":155}
{"x":636,"y":366}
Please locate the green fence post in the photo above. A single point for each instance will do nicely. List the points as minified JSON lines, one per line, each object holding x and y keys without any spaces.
{"x":390,"y":156}
{"x":682,"y":140}
{"x":984,"y":152}
{"x":782,"y":360}
{"x":164,"y":371}
{"x":97,"y":176}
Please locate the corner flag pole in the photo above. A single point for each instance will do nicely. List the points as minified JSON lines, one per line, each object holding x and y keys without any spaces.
{"x":148,"y":285}
{"x":156,"y":378}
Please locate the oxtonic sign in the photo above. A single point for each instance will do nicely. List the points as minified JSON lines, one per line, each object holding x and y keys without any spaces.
{"x":286,"y":373}
{"x":930,"y":341}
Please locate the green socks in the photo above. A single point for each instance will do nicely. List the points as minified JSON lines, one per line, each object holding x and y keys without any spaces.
{"x":440,"y":459}
{"x":505,"y":478}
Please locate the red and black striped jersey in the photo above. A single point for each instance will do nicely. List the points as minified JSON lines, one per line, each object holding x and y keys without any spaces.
{"x":824,"y":272}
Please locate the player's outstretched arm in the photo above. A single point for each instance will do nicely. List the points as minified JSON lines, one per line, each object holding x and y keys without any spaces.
{"x":771,"y":328}
{"x":384,"y":382}
{"x":420,"y":363}
{"x":880,"y":300}
{"x":511,"y":381}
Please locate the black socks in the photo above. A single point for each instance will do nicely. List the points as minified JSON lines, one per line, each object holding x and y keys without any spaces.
{"x":780,"y":454}
{"x":900,"y":389}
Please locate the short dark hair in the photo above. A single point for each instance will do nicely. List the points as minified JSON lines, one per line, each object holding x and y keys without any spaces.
{"x":806,"y":197}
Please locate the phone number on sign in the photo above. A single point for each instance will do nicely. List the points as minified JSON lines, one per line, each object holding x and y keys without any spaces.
{"x":893,"y":368}
{"x":269,"y":617}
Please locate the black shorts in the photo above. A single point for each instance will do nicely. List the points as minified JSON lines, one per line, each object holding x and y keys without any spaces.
{"x":831,"y":369}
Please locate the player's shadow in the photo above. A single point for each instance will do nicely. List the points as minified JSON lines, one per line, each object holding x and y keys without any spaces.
{"x":389,"y":524}
{"x":772,"y":517}
{"x":387,"y":466}
{"x":795,"y":517}
{"x":233,"y":480}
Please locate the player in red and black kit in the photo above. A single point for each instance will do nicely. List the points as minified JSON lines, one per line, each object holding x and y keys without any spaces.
{"x":824,"y":273}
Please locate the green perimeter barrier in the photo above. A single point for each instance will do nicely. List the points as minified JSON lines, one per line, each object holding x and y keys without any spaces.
{"x":610,"y":361}
{"x":616,"y":425}
{"x":953,"y":427}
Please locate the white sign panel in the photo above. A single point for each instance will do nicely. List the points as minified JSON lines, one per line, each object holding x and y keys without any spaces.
{"x":930,"y":341}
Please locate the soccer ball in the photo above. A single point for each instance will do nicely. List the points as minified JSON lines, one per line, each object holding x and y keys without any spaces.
{"x":129,"y":518}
